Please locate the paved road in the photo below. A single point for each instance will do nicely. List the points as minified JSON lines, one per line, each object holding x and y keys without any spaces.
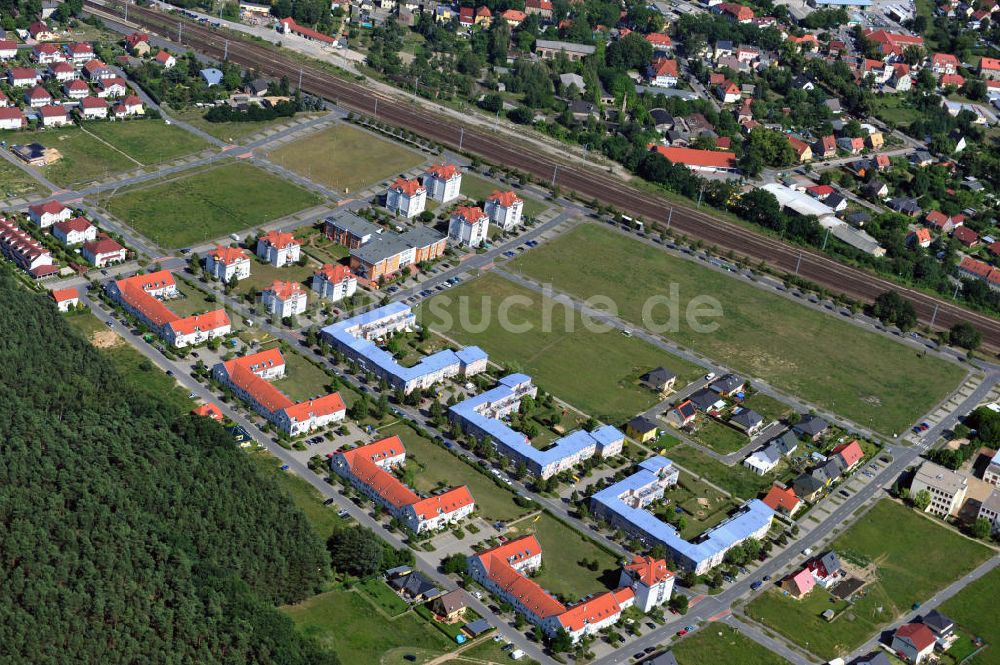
{"x":426,"y":562}
{"x":769,"y":643}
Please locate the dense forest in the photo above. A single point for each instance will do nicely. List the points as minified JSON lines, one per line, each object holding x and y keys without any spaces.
{"x":132,"y":533}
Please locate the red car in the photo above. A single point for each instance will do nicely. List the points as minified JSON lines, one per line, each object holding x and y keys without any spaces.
{"x":681,"y":633}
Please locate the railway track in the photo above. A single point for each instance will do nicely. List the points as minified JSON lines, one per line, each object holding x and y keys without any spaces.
{"x":583,"y":180}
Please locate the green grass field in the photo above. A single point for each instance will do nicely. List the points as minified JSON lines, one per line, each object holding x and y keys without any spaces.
{"x":721,"y":438}
{"x":192,"y":301}
{"x":345,"y":158}
{"x":738,"y":479}
{"x":718,"y":643}
{"x":892,"y":108}
{"x":148,"y":141}
{"x":908,"y":571}
{"x":974,"y":608}
{"x":306,"y":497}
{"x":436,"y":467}
{"x":262,"y":275}
{"x":136,"y":369}
{"x":563,"y":549}
{"x":863,"y":376}
{"x":303,"y":380}
{"x":703,"y":506}
{"x":16,"y":183}
{"x":479,"y":188}
{"x":349,"y":624}
{"x":595,"y":372}
{"x":199,"y":205}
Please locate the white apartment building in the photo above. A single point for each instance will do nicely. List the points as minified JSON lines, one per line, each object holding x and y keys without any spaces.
{"x":228,"y":263}
{"x":443,"y":182}
{"x":334,"y":282}
{"x":504,"y":209}
{"x":946,"y":487}
{"x":284,"y":299}
{"x":406,"y":197}
{"x":279,"y":249}
{"x":469,"y":226}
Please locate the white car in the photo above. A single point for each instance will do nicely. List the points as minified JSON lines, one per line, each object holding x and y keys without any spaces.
{"x":710,"y":376}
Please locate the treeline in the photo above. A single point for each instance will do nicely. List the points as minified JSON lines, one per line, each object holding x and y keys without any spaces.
{"x":253,"y":112}
{"x":132,"y":533}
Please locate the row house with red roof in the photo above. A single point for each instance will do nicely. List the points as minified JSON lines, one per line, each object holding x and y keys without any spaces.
{"x":468,"y":226}
{"x":278,"y":248}
{"x":112,"y":87}
{"x":21,"y":248}
{"x":75,"y":231}
{"x":45,"y":54}
{"x":79,"y":53}
{"x":104,"y":252}
{"x":892,"y":45}
{"x":228,"y":263}
{"x":970,"y":268}
{"x":62,"y":72}
{"x":93,"y":108}
{"x":443,"y":182}
{"x":23,"y":77}
{"x":334,"y":282}
{"x":250,"y":378}
{"x":406,"y":197}
{"x":48,"y":213}
{"x":12,"y":117}
{"x":284,"y":299}
{"x":8,"y":49}
{"x":504,"y":209}
{"x":369,"y":468}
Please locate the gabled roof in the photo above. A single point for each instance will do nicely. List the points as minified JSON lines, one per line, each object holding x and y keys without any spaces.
{"x":285,"y":290}
{"x":504,"y":199}
{"x":694,"y":157}
{"x":850,"y":452}
{"x":102,"y":246}
{"x":78,"y":224}
{"x":648,"y":570}
{"x":917,"y":634}
{"x":803,"y":581}
{"x":779,"y":498}
{"x":208,"y":410}
{"x":228,"y":255}
{"x":47,"y":208}
{"x":407,"y":187}
{"x":60,"y":295}
{"x":446,"y":502}
{"x":443,"y":171}
{"x":321,"y":406}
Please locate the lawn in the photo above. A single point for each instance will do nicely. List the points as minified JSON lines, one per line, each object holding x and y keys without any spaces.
{"x":192,"y":301}
{"x":974,"y":608}
{"x":383,"y":597}
{"x":595,"y":372}
{"x":199,"y":205}
{"x":135,"y":367}
{"x":563,"y":550}
{"x":263,"y":275}
{"x":894,"y":538}
{"x":767,"y":406}
{"x":17,"y":183}
{"x":436,"y":467}
{"x":738,"y":479}
{"x":478,"y":189}
{"x":348,"y":623}
{"x":703,"y":506}
{"x":231,"y":132}
{"x":718,"y":643}
{"x":148,"y":141}
{"x":863,"y":376}
{"x":721,"y":438}
{"x":303,"y":380}
{"x":345,"y":158}
{"x":306,"y":497}
{"x":84,"y":158}
{"x":892,"y":109}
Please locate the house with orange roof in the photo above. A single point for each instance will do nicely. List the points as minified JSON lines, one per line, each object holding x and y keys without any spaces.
{"x":504,"y":570}
{"x":143,"y":296}
{"x":278,"y":248}
{"x":228,"y":263}
{"x":468,"y":226}
{"x":920,"y":237}
{"x":164,"y":59}
{"x":284,"y":299}
{"x":735,"y":12}
{"x":650,"y":581}
{"x":782,"y":500}
{"x":514,"y":17}
{"x":893,"y":44}
{"x":103,"y":252}
{"x":698,"y":160}
{"x":954,"y":80}
{"x":662,"y":73}
{"x":970,"y":268}
{"x":944,"y":63}
{"x":728,"y":92}
{"x":989,"y":68}
{"x":334,"y":282}
{"x":850,"y":454}
{"x":66,"y":299}
{"x":660,"y":41}
{"x":802,"y":149}
{"x":208,"y":410}
{"x":504,"y":209}
{"x":406,"y":197}
{"x":369,"y":468}
{"x":443,"y":182}
{"x":250,"y":378}
{"x":484,"y":17}
{"x":541,"y":7}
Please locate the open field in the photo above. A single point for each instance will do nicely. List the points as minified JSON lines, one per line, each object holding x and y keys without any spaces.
{"x":718,"y":643}
{"x":136,"y":369}
{"x":595,"y":372}
{"x":306,"y":497}
{"x":348,"y":623}
{"x":891,"y":109}
{"x":436,"y":467}
{"x":262,"y":275}
{"x":832,"y":363}
{"x":199,"y":205}
{"x":738,"y":479}
{"x":14,"y":182}
{"x":148,"y":141}
{"x":974,"y":609}
{"x":479,"y":188}
{"x":345,"y":158}
{"x":767,"y":406}
{"x":894,"y":538}
{"x":231,"y":132}
{"x":721,"y":438}
{"x":563,"y":549}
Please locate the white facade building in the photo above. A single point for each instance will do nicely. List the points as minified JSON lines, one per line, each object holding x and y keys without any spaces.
{"x":468,"y":226}
{"x":406,"y":197}
{"x":443,"y":182}
{"x":504,"y":210}
{"x":228,"y":263}
{"x":279,"y":249}
{"x":284,"y":299}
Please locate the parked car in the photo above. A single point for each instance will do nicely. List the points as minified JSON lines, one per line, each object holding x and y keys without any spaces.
{"x":756,"y":585}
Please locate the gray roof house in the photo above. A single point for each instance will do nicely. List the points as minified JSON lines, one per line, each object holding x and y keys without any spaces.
{"x":703,"y":399}
{"x":660,"y":379}
{"x":806,"y":486}
{"x":939,"y":624}
{"x":212,"y":76}
{"x":810,"y":426}
{"x":728,"y":384}
{"x":662,"y":120}
{"x":877,"y":658}
{"x":747,"y":420}
{"x":905,"y":205}
{"x":786,"y":444}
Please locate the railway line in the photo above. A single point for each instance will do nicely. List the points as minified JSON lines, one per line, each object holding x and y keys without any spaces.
{"x":583,"y":180}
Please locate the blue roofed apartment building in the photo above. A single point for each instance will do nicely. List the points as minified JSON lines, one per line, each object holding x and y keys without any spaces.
{"x":481,"y":416}
{"x":353,"y":337}
{"x":624,"y":505}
